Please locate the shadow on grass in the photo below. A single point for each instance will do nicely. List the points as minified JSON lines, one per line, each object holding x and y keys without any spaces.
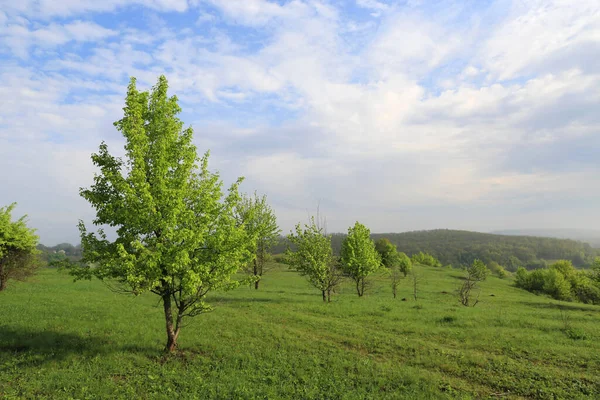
{"x":566,"y":306}
{"x":28,"y":347}
{"x":219,"y":299}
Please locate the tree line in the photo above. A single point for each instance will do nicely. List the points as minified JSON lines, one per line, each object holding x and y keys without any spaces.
{"x":461,"y":248}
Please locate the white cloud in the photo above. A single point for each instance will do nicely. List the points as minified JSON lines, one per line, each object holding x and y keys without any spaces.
{"x":426,"y":121}
{"x":19,"y":38}
{"x":537,"y":34}
{"x":45,"y":9}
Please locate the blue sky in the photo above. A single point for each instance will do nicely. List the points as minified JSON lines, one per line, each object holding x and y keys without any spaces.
{"x":403,"y":115}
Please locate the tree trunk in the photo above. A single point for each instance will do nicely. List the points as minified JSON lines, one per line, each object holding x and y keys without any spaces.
{"x":329,"y":295}
{"x":3,"y":278}
{"x":256,"y":274}
{"x":324,"y":296}
{"x":360,"y":286}
{"x":172,"y":332}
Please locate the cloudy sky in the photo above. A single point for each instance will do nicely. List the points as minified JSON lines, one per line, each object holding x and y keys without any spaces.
{"x":403,"y":115}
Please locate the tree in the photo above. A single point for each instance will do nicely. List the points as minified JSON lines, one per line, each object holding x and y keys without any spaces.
{"x":404,"y":264}
{"x":387,"y":252}
{"x":18,"y":253}
{"x":177,"y":235}
{"x":359,"y":257}
{"x":261,"y":223}
{"x":313,"y":257}
{"x":476,"y":272}
{"x":398,"y":264}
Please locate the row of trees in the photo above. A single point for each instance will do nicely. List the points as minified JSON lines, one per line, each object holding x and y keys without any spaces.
{"x":461,"y":248}
{"x":311,"y":254}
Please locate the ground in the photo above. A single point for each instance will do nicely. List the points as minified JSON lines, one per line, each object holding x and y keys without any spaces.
{"x":60,"y":339}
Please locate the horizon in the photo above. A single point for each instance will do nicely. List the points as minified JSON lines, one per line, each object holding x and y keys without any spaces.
{"x":478,"y":116}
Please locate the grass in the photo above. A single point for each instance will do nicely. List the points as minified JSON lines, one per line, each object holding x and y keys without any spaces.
{"x":60,"y":339}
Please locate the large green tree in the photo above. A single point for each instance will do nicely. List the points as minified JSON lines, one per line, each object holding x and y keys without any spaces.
{"x":261,"y":223}
{"x":177,"y":234}
{"x":18,"y":254}
{"x":313,"y":258}
{"x":359,"y":257}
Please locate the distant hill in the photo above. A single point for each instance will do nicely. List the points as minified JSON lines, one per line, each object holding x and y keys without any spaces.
{"x":462,"y":247}
{"x":584,"y":235}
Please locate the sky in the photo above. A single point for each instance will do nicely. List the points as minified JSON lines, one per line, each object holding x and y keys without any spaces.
{"x":403,"y":115}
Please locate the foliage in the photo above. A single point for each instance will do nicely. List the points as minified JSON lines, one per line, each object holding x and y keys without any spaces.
{"x":397,"y":264}
{"x":404,"y":264}
{"x":561,"y":281}
{"x":18,"y":254}
{"x":498,"y":270}
{"x":359,"y":257}
{"x":261,"y":224}
{"x":313,"y":257}
{"x":387,"y":252}
{"x":476,"y":272}
{"x":177,"y":233}
{"x":425,"y":259}
{"x":556,"y":285}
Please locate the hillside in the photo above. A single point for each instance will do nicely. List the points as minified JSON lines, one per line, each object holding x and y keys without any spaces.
{"x":60,"y":340}
{"x":462,"y":247}
{"x":590,"y":236}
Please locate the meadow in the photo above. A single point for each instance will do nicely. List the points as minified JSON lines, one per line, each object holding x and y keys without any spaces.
{"x":60,"y":339}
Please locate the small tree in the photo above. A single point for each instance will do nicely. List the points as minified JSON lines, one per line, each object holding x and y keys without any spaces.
{"x":387,"y":252}
{"x":404,"y":264}
{"x":18,"y":253}
{"x":313,"y":257}
{"x":359,"y":257}
{"x":476,"y":272}
{"x":261,"y":224}
{"x":416,"y":280}
{"x":177,"y":234}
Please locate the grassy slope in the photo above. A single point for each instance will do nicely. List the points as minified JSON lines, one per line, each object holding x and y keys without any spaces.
{"x":60,"y":339}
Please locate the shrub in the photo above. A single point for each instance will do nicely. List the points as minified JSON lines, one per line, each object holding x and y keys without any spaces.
{"x":556,"y":285}
{"x":497,"y":269}
{"x":565,"y":268}
{"x":584,"y":288}
{"x":426,"y":259}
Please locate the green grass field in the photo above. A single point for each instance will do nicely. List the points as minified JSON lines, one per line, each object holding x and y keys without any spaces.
{"x":60,"y":339}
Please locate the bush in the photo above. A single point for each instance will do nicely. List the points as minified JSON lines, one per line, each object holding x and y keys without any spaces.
{"x":426,"y":259}
{"x":521,"y":277}
{"x":280,"y":258}
{"x":536,"y":280}
{"x":556,"y":285}
{"x":477,"y":271}
{"x":561,"y":281}
{"x":565,"y":268}
{"x":497,"y":269}
{"x":584,"y":288}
